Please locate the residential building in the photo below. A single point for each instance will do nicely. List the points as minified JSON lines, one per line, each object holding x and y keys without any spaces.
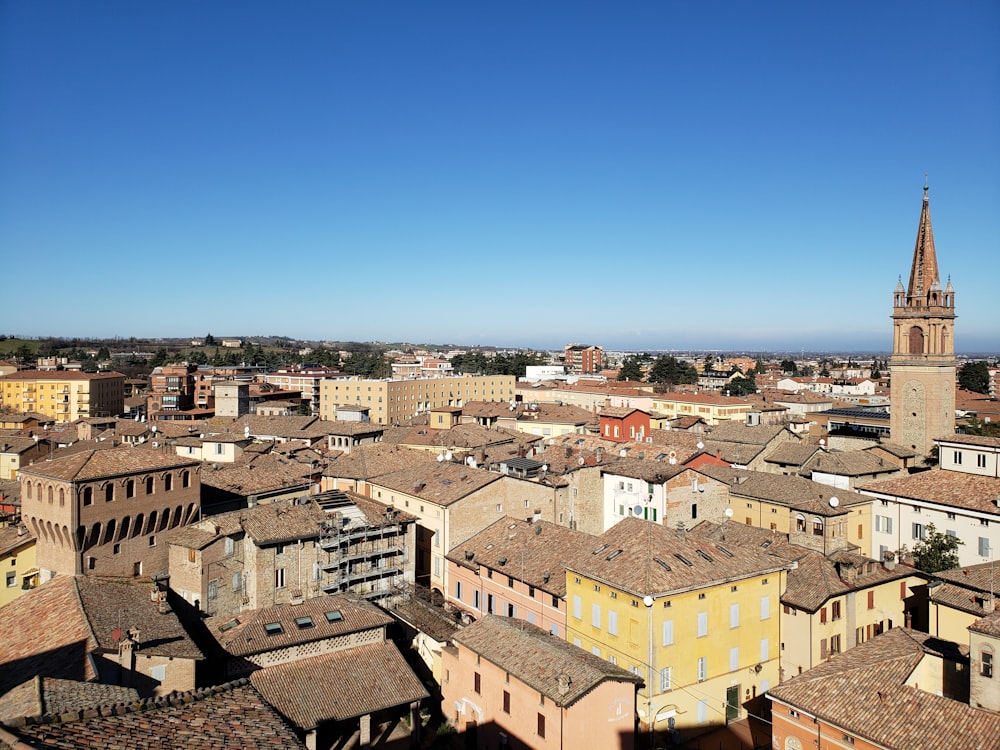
{"x":109,"y":630}
{"x":16,"y":451}
{"x":64,"y":395}
{"x":713,"y":407}
{"x":291,"y":550}
{"x":899,"y":691}
{"x":17,"y":560}
{"x":984,"y":645}
{"x":923,"y":366}
{"x":511,"y":684}
{"x":970,"y":454}
{"x":305,"y":380}
{"x":954,"y":502}
{"x":516,"y":568}
{"x":746,"y":446}
{"x":397,"y":401}
{"x":960,"y":597}
{"x":325,"y":664}
{"x":171,"y":389}
{"x":623,"y":424}
{"x":104,"y":512}
{"x":697,"y":621}
{"x":583,"y":358}
{"x":452,"y":502}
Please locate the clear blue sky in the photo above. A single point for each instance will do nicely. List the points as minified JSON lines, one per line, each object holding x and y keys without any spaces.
{"x":643,"y":175}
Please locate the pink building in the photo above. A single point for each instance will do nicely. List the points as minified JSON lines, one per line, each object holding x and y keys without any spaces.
{"x":516,"y":569}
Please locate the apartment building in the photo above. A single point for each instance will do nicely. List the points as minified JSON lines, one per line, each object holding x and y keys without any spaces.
{"x":396,"y":401}
{"x":698,"y":621}
{"x":64,"y":395}
{"x":17,"y":560}
{"x":511,"y":684}
{"x":583,"y":358}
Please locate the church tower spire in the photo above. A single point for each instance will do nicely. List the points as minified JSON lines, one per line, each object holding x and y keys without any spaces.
{"x":922,"y":390}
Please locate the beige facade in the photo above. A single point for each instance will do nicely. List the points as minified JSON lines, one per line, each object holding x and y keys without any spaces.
{"x":396,"y":401}
{"x":17,"y":561}
{"x":64,"y":395}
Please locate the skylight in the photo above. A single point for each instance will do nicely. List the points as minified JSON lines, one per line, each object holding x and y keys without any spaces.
{"x":304,"y":622}
{"x":229,"y":625}
{"x":334,"y":616}
{"x":273,"y":628}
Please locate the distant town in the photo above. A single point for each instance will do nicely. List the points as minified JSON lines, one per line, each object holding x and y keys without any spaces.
{"x":260,"y":542}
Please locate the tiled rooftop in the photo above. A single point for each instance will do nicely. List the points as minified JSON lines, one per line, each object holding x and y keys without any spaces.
{"x":245,"y":633}
{"x":40,"y":696}
{"x":340,"y":685}
{"x":96,"y":464}
{"x":368,"y":461}
{"x":538,"y":659}
{"x":641,"y":557}
{"x":795,"y":492}
{"x":863,"y":691}
{"x":952,"y":488}
{"x":531,"y":551}
{"x":233,"y":716}
{"x":440,"y":483}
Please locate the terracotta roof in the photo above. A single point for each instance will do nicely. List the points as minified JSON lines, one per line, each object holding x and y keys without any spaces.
{"x":642,"y":557}
{"x":12,"y":537}
{"x":97,"y":464}
{"x":340,"y":685}
{"x":60,"y":375}
{"x":538,"y":659}
{"x":368,"y":461}
{"x":952,"y":488}
{"x":791,"y":454}
{"x":424,"y":617}
{"x":468,"y":436}
{"x":961,"y":598}
{"x":980,"y":440}
{"x":39,"y":696}
{"x":249,"y":636}
{"x":863,"y":691}
{"x":78,"y":616}
{"x":440,"y":483}
{"x":232,"y":716}
{"x":532,"y":551}
{"x":848,"y":464}
{"x":655,"y":469}
{"x":256,"y":473}
{"x":794,"y":492}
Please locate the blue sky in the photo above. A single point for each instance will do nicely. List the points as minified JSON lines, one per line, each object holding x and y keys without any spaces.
{"x":651,"y":175}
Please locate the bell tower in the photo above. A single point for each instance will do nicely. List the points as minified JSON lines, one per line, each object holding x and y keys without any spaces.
{"x":922,"y":388}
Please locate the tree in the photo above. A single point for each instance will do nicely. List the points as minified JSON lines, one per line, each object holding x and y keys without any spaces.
{"x":974,"y":376}
{"x":210,"y":340}
{"x":743,"y":385}
{"x":630,"y":369}
{"x":667,"y":370}
{"x":709,"y":362}
{"x":159,"y":359}
{"x":760,"y":368}
{"x":789,"y":367}
{"x":936,"y":551}
{"x":103,"y":354}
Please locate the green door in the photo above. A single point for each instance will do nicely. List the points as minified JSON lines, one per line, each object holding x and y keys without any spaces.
{"x":732,"y":703}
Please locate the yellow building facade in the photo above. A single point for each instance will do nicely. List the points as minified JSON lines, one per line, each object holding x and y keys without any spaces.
{"x":64,"y":395}
{"x":700,"y":624}
{"x":712,"y":407}
{"x":17,"y":560}
{"x":396,"y":401}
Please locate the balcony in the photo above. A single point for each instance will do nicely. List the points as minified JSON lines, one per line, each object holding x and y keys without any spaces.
{"x":340,"y":540}
{"x":352,"y":579}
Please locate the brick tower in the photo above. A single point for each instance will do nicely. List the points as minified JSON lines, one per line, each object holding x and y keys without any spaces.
{"x":922,"y":395}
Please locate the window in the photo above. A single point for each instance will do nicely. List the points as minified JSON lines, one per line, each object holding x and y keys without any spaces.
{"x":304,"y":623}
{"x":822,"y":615}
{"x":734,"y":659}
{"x":230,"y":545}
{"x":273,"y":628}
{"x":981,"y":461}
{"x":918,"y":531}
{"x":595,"y":615}
{"x":88,"y":494}
{"x":702,"y":668}
{"x":765,"y":649}
{"x":11,"y":579}
{"x":334,"y":616}
{"x":835,"y":609}
{"x":702,"y":712}
{"x":475,"y":598}
{"x":279,"y":578}
{"x":883,"y":524}
{"x":577,"y":606}
{"x":541,"y":717}
{"x":612,"y":622}
{"x":477,"y":682}
{"x":506,"y":702}
{"x":237,"y":581}
{"x":149,"y":485}
{"x":702,"y":624}
{"x":668,"y":632}
{"x":458,"y":590}
{"x":168,"y":481}
{"x":984,"y":547}
{"x":871,"y":600}
{"x":734,"y":615}
{"x":109,"y":492}
{"x":835,"y":644}
{"x":129,"y":488}
{"x":986,"y":662}
{"x":765,"y":606}
{"x":280,"y":549}
{"x":957,"y":455}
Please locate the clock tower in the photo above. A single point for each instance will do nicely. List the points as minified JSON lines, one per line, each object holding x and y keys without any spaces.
{"x":922,"y":389}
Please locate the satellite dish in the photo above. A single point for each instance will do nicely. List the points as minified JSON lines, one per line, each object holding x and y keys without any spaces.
{"x":470,"y":461}
{"x":545,"y":467}
{"x":701,"y":445}
{"x":637,"y":510}
{"x":440,"y":457}
{"x":673,"y":460}
{"x":834,"y":502}
{"x":647,"y":600}
{"x":729,"y":512}
{"x":447,"y":456}
{"x":623,"y":453}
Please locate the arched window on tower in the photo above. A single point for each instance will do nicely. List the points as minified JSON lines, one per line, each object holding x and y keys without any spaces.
{"x":916,"y":340}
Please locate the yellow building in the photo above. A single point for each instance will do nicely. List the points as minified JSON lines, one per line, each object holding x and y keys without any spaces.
{"x":960,"y":597}
{"x":699,"y":623}
{"x":65,"y":395}
{"x":17,"y":559}
{"x":712,"y":407}
{"x":396,"y":401}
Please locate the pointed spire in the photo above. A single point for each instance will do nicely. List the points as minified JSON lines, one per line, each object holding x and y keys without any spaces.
{"x":924,"y":272}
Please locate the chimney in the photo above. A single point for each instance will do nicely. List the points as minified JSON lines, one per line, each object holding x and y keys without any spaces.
{"x":564,"y":682}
